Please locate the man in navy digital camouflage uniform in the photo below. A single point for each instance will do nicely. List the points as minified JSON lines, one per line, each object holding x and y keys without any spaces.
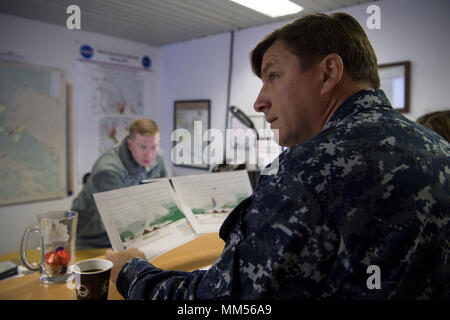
{"x":359,"y":187}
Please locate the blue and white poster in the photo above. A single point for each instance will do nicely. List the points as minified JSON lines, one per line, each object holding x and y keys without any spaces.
{"x":111,"y":91}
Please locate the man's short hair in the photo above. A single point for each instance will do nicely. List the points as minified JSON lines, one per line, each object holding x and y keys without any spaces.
{"x":313,"y":37}
{"x":438,"y":121}
{"x":143,"y":126}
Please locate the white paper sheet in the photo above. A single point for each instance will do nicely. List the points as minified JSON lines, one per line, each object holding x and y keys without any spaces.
{"x":207,"y":199}
{"x":146,"y":217}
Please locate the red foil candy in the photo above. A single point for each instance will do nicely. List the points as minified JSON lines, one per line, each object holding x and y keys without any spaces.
{"x":64,"y":256}
{"x":59,"y":258}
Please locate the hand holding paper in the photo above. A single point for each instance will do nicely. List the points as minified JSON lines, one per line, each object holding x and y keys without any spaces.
{"x":120,"y":258}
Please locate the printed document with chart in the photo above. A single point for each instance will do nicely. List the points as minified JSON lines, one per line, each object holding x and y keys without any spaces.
{"x":208,"y":199}
{"x":155,"y":218}
{"x":145,"y":216}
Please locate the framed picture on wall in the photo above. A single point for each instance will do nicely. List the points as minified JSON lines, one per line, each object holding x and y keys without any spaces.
{"x":191,"y":119}
{"x":395,"y":82}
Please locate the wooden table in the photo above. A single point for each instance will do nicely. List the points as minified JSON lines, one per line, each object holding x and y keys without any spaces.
{"x":195,"y":254}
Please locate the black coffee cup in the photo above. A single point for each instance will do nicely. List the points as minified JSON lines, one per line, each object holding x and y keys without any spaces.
{"x":92,"y":279}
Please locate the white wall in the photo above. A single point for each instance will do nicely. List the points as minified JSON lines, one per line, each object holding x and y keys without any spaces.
{"x":51,"y":45}
{"x":417,"y":31}
{"x":194,"y":70}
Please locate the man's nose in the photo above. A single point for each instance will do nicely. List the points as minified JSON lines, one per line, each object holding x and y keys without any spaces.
{"x":262,"y":101}
{"x":150,"y":153}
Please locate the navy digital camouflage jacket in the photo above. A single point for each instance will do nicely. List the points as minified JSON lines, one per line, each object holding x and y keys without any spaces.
{"x":371,"y":190}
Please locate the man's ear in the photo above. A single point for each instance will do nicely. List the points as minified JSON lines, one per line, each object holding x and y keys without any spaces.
{"x":128,"y":143}
{"x":332,"y":70}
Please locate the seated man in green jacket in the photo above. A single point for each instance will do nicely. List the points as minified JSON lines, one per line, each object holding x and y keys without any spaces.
{"x":138,"y":157}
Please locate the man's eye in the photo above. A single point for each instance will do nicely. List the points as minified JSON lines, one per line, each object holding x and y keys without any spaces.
{"x":273,"y":77}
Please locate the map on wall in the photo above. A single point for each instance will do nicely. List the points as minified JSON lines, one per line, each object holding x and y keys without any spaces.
{"x":33,"y":133}
{"x":112,"y":89}
{"x":116,"y":90}
{"x":112,"y":130}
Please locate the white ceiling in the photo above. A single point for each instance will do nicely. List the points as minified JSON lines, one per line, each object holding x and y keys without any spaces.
{"x":159,"y":22}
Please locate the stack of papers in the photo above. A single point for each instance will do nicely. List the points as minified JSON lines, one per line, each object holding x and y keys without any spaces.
{"x":162,"y":214}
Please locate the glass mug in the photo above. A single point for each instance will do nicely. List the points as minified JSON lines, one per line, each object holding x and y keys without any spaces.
{"x":57,"y":234}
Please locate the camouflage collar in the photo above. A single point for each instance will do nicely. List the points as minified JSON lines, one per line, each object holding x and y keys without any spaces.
{"x":363,"y":99}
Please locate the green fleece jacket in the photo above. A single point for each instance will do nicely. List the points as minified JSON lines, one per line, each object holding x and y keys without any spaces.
{"x":115,"y":169}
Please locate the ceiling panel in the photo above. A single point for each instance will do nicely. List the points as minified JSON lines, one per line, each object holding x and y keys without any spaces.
{"x":159,"y":22}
